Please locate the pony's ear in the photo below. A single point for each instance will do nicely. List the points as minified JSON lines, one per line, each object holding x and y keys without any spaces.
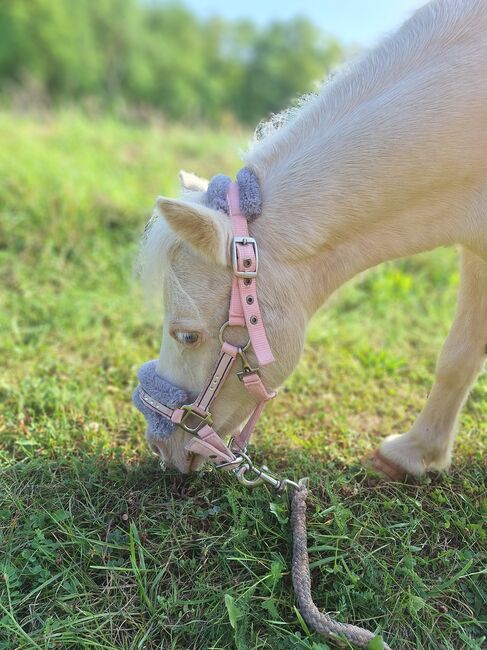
{"x":207,"y":231}
{"x":192,"y":183}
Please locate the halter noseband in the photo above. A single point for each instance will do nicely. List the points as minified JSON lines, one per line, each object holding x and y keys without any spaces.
{"x":244,"y":311}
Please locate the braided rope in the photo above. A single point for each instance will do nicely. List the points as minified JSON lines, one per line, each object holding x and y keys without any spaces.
{"x":317,"y":620}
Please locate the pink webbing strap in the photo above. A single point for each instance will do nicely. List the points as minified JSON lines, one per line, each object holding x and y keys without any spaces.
{"x":241,"y":439}
{"x":256,"y":388}
{"x":243,"y":311}
{"x":155,"y":405}
{"x":223,"y":366}
{"x":209,"y":444}
{"x":244,"y":305}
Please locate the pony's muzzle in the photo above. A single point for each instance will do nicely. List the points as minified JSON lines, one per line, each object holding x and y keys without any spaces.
{"x":174,"y":455}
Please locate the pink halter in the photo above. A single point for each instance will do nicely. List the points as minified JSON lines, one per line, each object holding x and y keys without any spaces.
{"x":244,"y":311}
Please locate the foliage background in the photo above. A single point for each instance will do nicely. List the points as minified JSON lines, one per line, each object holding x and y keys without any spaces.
{"x":153,"y":55}
{"x":98,"y":547}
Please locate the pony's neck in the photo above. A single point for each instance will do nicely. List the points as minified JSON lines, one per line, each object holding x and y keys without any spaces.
{"x":341,"y":209}
{"x":377,"y":181}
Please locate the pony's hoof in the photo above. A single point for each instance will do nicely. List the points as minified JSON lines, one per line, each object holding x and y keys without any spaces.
{"x":386,"y":468}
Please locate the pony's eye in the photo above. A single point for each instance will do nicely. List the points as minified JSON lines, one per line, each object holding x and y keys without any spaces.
{"x":187,"y":338}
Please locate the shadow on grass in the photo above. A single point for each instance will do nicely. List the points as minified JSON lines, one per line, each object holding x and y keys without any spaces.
{"x":100,"y":553}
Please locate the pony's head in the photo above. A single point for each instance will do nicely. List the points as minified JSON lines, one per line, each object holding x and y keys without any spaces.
{"x":187,"y":247}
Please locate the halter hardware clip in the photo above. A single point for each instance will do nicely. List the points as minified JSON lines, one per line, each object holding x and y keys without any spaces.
{"x":246,"y":367}
{"x":261,"y":474}
{"x":189,"y":411}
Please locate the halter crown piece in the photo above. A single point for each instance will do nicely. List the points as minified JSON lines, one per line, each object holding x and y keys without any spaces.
{"x":250,"y":196}
{"x":165,"y":405}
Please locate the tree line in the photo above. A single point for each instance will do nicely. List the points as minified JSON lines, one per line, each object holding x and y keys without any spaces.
{"x":160,"y":55}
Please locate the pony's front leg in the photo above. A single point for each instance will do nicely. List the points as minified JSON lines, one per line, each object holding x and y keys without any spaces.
{"x":428,"y":445}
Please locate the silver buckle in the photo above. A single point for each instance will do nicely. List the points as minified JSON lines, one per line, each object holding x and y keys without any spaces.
{"x":244,"y":241}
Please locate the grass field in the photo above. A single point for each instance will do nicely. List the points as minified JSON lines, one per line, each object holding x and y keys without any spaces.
{"x":98,"y":547}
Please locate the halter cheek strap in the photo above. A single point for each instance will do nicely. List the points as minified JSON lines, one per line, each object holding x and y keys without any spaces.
{"x":244,"y":311}
{"x":244,"y":305}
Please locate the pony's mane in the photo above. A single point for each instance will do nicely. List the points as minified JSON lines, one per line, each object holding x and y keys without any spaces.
{"x":277,"y":121}
{"x":270,"y":132}
{"x":362,"y":80}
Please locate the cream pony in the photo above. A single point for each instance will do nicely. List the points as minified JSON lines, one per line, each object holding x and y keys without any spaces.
{"x":388,"y":160}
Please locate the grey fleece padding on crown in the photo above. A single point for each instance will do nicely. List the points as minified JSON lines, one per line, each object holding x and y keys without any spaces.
{"x":250,"y":194}
{"x":162,"y":391}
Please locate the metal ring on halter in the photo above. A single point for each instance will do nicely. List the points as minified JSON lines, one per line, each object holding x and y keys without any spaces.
{"x":244,"y":348}
{"x":238,"y":461}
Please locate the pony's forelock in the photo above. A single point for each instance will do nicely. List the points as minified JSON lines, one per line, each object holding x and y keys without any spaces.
{"x":157,"y":246}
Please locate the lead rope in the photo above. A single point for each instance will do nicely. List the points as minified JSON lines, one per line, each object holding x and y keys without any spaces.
{"x":318,"y":621}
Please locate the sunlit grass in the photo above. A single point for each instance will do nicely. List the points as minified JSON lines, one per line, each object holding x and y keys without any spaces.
{"x":100,"y":549}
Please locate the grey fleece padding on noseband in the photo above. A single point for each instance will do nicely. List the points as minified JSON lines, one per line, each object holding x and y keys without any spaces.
{"x":250,"y":194}
{"x":162,"y":391}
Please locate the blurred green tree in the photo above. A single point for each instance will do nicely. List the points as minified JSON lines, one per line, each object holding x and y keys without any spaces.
{"x":160,"y":55}
{"x":287,"y":58}
{"x":52,"y":42}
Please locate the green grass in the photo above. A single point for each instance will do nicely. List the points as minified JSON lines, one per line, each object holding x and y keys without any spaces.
{"x":99,"y":548}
